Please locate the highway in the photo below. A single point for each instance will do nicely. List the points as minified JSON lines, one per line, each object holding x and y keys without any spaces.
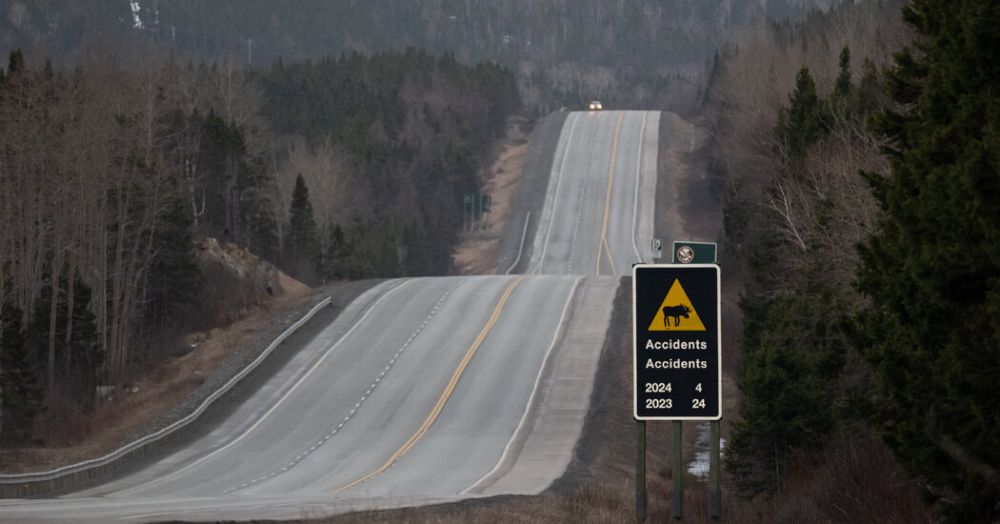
{"x":598,"y":215}
{"x":425,"y":389}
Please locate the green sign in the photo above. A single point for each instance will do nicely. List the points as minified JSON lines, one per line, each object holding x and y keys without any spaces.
{"x":686,"y":252}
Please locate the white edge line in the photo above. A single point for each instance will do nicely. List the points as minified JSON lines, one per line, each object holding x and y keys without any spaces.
{"x":358,"y":405}
{"x":638,"y":175}
{"x":555,"y":198}
{"x":153,"y":437}
{"x":520,"y":248}
{"x":277,"y":404}
{"x":534,"y":391}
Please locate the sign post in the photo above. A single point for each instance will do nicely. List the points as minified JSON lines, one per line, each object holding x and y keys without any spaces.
{"x":677,"y":351}
{"x":686,"y":252}
{"x":640,"y":471}
{"x":714,"y":492}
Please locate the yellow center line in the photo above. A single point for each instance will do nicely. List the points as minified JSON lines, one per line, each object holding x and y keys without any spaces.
{"x":602,"y":245}
{"x":445,"y":395}
{"x":610,"y":258}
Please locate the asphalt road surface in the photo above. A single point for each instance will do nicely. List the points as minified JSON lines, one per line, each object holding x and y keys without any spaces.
{"x":426,"y":389}
{"x":598,"y":215}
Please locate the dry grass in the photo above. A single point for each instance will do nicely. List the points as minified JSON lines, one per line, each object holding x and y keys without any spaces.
{"x":478,"y":251}
{"x":84,"y":436}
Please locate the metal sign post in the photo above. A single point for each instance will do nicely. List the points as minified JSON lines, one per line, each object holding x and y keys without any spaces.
{"x":676,"y":350}
{"x":714,"y":492}
{"x":677,"y":360}
{"x":686,"y":252}
{"x":640,"y":471}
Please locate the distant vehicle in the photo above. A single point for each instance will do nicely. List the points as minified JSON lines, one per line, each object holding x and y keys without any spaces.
{"x":596,"y":106}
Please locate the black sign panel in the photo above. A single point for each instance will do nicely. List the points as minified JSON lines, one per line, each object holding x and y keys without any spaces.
{"x":676,"y":342}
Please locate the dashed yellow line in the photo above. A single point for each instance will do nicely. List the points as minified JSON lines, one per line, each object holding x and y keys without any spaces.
{"x":445,"y":395}
{"x":603,"y":243}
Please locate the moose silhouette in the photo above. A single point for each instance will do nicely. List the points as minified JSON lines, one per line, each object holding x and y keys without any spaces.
{"x":675,"y":312}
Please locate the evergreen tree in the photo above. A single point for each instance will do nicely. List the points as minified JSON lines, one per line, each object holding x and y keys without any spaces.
{"x":869,"y":93}
{"x":932,"y":269}
{"x":793,"y":349}
{"x":174,"y":281}
{"x":842,"y":88}
{"x":258,"y":221}
{"x":78,"y":357}
{"x":15,"y":63}
{"x":20,"y":393}
{"x":221,"y":159}
{"x":238,"y":188}
{"x":335,"y":255}
{"x":801,"y":125}
{"x":303,"y":252}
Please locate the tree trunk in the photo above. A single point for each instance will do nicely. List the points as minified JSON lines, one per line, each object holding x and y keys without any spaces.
{"x":70,"y":294}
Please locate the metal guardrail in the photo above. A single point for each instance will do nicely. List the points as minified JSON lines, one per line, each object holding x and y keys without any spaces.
{"x":22,"y":485}
{"x":520,"y":247}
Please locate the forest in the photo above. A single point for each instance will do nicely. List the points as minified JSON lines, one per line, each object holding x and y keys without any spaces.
{"x":862,"y":215}
{"x":564,"y":53}
{"x":110,"y":172}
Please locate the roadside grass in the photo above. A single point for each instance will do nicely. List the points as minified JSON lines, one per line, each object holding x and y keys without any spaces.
{"x":477,"y":252}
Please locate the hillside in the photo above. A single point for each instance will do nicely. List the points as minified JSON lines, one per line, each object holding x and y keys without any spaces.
{"x":563,"y":52}
{"x":111,"y":170}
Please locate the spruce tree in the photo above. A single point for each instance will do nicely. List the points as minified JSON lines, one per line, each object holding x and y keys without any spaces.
{"x":258,"y":219}
{"x":15,"y":63}
{"x":842,"y":88}
{"x":20,"y":393}
{"x":174,"y":281}
{"x":801,"y":125}
{"x":83,"y":356}
{"x":869,"y":93}
{"x":932,"y":269}
{"x":794,"y":349}
{"x":335,"y":255}
{"x":78,"y":358}
{"x":303,"y":252}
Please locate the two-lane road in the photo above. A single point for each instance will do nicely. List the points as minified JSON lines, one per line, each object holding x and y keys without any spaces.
{"x":598,"y":211}
{"x":364,"y":417}
{"x":425,"y":389}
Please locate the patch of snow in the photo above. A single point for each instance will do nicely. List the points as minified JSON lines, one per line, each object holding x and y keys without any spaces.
{"x":135,"y":7}
{"x":699,"y":465}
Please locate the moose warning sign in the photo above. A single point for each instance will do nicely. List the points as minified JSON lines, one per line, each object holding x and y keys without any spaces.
{"x":676,"y":344}
{"x":676,"y":313}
